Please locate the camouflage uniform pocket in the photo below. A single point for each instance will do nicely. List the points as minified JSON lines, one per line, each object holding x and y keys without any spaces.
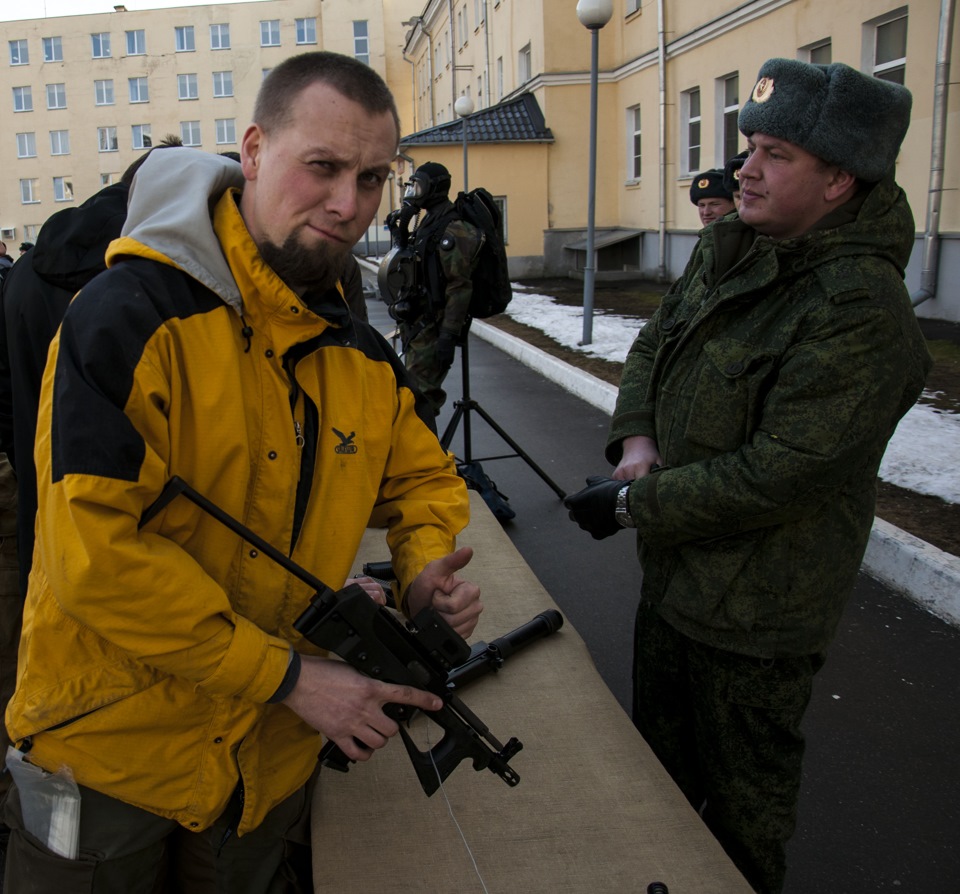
{"x":727,"y":403}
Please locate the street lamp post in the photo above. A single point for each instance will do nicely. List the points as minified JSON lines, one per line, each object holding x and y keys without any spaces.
{"x":464,"y":108}
{"x":593,"y":14}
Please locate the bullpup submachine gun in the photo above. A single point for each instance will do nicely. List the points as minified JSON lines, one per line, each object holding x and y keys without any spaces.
{"x":424,"y":653}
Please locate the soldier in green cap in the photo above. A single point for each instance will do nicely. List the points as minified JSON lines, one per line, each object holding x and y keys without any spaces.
{"x":753,"y":413}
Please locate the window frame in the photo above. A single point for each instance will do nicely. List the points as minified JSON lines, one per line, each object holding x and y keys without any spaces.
{"x":220,"y":26}
{"x":184,"y":39}
{"x":727,"y":114}
{"x":269,"y":28}
{"x":28,"y":142}
{"x":194,"y":128}
{"x":22,"y":54}
{"x":301,"y":24}
{"x":59,"y":93}
{"x":221,"y":125}
{"x":104,"y":40}
{"x":142,"y":89}
{"x":63,"y":140}
{"x":62,"y":189}
{"x":361,"y":41}
{"x":138,"y":38}
{"x":187,"y":79}
{"x":48,"y":43}
{"x":23,"y":93}
{"x":105,"y":136}
{"x":689,"y":120}
{"x":225,"y":80}
{"x":871,"y":34}
{"x":143,"y":131}
{"x":33,"y":183}
{"x":98,"y":91}
{"x":634,"y":143}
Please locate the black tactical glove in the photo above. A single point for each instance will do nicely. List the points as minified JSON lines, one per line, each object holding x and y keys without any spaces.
{"x":594,"y":507}
{"x":446,"y":347}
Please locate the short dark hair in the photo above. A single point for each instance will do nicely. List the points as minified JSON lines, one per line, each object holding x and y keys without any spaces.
{"x":346,"y":75}
{"x":167,"y":142}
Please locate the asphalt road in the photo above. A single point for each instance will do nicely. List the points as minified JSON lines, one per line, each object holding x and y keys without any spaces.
{"x":880,"y":803}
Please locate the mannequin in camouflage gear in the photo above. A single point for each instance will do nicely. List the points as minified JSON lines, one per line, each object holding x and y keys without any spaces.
{"x":447,"y":261}
{"x":754,"y":410}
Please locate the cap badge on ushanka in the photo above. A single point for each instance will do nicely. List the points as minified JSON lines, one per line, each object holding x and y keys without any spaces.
{"x":704,"y":183}
{"x":763,"y":91}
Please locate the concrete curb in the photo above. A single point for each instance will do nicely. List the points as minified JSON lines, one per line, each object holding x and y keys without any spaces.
{"x":927,"y":575}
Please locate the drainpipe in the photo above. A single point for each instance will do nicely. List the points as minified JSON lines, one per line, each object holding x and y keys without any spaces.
{"x":662,"y":75}
{"x":453,"y":56}
{"x":486,"y":56}
{"x":931,"y":238}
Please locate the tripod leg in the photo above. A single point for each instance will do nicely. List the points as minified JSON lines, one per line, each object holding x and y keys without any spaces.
{"x":516,"y":447}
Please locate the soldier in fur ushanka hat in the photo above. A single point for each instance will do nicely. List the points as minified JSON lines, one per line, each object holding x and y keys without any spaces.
{"x":753,"y":412}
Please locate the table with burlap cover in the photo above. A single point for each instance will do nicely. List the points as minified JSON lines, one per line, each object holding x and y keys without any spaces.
{"x":594,"y":810}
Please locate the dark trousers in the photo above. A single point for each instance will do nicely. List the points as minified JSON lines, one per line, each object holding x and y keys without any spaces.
{"x":125,"y":850}
{"x":727,"y":729}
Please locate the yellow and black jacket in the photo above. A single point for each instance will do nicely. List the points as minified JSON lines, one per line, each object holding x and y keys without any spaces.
{"x":149,"y":656}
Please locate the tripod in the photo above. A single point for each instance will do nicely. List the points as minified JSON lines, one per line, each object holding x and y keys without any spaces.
{"x":462,"y":410}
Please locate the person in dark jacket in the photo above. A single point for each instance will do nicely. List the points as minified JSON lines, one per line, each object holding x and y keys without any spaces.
{"x":447,"y":250}
{"x":710,"y":194}
{"x":753,"y":413}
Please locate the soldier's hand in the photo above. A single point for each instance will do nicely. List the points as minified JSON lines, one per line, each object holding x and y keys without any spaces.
{"x":594,"y":507}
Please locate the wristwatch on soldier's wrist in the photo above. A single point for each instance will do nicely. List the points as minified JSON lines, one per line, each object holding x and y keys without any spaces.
{"x":622,"y":510}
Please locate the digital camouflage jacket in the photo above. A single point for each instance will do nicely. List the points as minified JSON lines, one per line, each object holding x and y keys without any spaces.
{"x":772,"y":376}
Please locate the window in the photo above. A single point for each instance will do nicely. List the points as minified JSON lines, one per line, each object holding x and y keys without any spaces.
{"x":226,"y":131}
{"x":59,"y":142}
{"x":8,"y":234}
{"x":524,"y":64}
{"x":62,"y":189}
{"x":183,"y":35}
{"x":889,"y":47}
{"x":190,"y":133}
{"x":499,"y":78}
{"x":141,"y":136}
{"x":56,"y":96}
{"x":729,"y":95}
{"x":29,"y":232}
{"x":220,"y":37}
{"x":139,"y":90}
{"x":107,"y":139}
{"x":19,"y":52}
{"x":28,"y":192}
{"x":462,"y":26}
{"x":690,"y":128}
{"x":634,"y":143}
{"x":136,"y":43}
{"x":632,"y":6}
{"x":107,"y":179}
{"x":270,"y":33}
{"x":52,"y":49}
{"x":819,"y":53}
{"x":223,"y":83}
{"x":101,"y":45}
{"x":103,"y":92}
{"x":501,"y":203}
{"x":187,"y":86}
{"x":361,"y":41}
{"x":22,"y":99}
{"x":306,"y":30}
{"x":26,"y":145}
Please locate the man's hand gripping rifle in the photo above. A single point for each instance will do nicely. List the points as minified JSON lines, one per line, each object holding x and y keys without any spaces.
{"x":371,"y":639}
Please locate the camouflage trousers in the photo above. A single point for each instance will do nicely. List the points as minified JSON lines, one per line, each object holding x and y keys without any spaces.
{"x":424,"y":367}
{"x":727,"y":729}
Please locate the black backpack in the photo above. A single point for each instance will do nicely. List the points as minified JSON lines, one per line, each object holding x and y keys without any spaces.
{"x":491,"y":281}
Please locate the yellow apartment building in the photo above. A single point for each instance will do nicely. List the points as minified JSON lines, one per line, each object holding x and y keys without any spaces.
{"x":671,"y":77}
{"x":83,"y":95}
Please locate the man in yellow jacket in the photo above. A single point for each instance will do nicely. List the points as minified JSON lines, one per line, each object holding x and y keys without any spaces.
{"x":159,"y":665}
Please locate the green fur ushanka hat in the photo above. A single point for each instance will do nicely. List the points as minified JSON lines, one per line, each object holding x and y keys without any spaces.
{"x":833,"y":111}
